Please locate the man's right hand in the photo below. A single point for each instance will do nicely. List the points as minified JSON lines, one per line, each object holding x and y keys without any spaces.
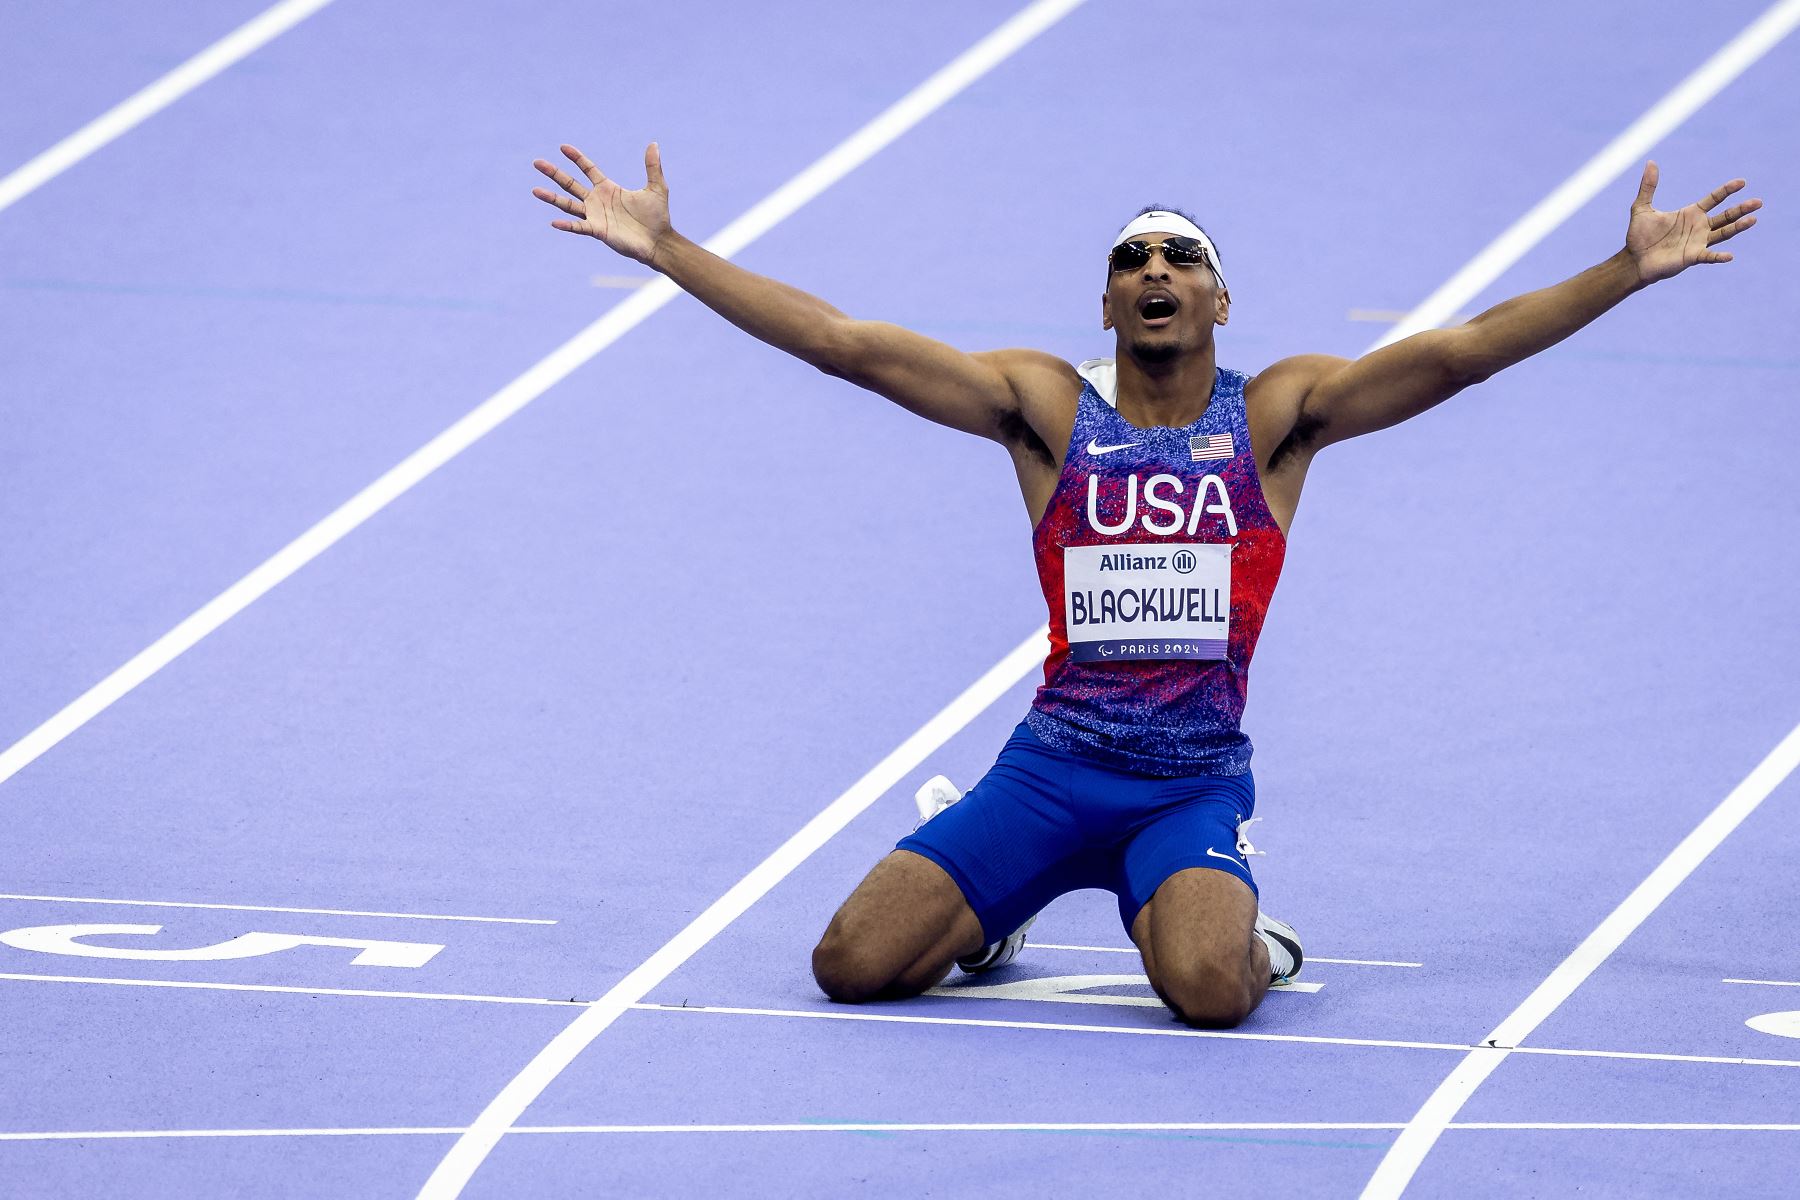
{"x":630,"y":222}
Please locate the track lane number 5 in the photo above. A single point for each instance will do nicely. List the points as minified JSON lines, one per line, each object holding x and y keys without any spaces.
{"x":72,"y":940}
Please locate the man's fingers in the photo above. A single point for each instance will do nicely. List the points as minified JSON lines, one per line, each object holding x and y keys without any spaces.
{"x":1647,"y":185}
{"x":1716,"y":256}
{"x":584,"y":164}
{"x":563,"y":179}
{"x":1732,"y":230}
{"x":570,"y":226}
{"x":1720,"y":220}
{"x":1717,"y":196}
{"x":653,"y":167}
{"x":573,"y":207}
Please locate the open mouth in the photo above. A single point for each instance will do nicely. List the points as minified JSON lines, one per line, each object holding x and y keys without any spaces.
{"x":1157,"y":308}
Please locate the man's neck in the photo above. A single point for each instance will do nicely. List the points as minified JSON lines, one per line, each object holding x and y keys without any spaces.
{"x":1173,"y":393}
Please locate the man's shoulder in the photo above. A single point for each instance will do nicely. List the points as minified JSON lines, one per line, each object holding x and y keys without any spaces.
{"x":1032,"y":369}
{"x":1294,"y":374}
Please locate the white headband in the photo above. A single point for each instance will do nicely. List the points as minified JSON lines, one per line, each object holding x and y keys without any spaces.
{"x":1168,"y":222}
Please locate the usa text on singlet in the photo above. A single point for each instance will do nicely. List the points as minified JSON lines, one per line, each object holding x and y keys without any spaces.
{"x":1158,"y":556}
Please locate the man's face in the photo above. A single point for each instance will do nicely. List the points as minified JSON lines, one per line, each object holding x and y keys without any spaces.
{"x":1163,"y":311}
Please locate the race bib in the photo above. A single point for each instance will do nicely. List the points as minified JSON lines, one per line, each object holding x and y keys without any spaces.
{"x":1169,"y":600}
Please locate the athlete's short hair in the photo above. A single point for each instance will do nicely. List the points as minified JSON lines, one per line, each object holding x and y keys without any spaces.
{"x":1180,"y":212}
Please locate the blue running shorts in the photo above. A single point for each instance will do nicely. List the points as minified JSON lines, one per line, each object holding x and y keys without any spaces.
{"x":1043,"y":822}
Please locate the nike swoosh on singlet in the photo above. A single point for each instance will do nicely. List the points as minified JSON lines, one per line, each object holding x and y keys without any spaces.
{"x":1095,"y":448}
{"x":1211,"y":853}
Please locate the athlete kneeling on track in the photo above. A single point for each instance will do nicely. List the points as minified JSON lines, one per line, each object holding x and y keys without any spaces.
{"x":1161,"y":487}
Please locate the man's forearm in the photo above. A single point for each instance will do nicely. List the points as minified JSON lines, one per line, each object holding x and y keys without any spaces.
{"x":785,"y":317}
{"x":1516,"y":329}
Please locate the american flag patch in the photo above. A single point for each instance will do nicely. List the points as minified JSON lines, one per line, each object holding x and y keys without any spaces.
{"x":1212,"y":446}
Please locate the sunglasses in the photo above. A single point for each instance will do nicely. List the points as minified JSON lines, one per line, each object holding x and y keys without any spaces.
{"x":1176,"y":251}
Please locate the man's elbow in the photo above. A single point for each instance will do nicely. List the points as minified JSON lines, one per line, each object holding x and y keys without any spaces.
{"x":1465,"y":360}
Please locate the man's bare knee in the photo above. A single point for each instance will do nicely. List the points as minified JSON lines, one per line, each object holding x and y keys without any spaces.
{"x":1206,"y":995}
{"x":846,"y":973}
{"x":896,"y":935}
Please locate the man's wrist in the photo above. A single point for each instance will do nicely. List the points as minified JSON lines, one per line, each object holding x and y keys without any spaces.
{"x":663,"y":249}
{"x":1624,"y":265}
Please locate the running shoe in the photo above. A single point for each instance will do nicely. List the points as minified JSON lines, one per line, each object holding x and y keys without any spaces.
{"x":1284,"y":947}
{"x":996,"y":954}
{"x":932,"y":798}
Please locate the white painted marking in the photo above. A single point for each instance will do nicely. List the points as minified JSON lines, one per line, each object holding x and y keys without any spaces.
{"x":1623,"y":153}
{"x":1402,"y":1159}
{"x":910,"y":1127}
{"x":298,"y":991}
{"x":1781,"y":1024}
{"x":1355,"y":962}
{"x":1170,"y":1030}
{"x":1072,"y":989}
{"x":472,"y":1148}
{"x":126,"y":115}
{"x":1653,"y":1056}
{"x":66,"y":940}
{"x":621,"y":281}
{"x":1764,"y":982}
{"x":329,"y":912}
{"x":1060,"y":989}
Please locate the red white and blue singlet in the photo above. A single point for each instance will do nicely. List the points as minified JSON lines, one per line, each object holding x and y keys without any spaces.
{"x":1158,"y":557}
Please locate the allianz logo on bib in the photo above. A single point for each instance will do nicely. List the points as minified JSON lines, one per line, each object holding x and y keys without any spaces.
{"x":1182,"y":561}
{"x":1161,"y":496}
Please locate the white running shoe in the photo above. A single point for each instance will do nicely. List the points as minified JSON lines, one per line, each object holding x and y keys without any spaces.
{"x":996,"y":954}
{"x":1284,"y":947}
{"x":932,"y":798}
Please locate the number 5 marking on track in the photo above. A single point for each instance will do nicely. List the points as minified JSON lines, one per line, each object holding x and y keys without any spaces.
{"x":65,"y":939}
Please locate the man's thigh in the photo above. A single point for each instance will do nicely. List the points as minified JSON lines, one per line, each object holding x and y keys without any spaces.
{"x":1198,"y":920}
{"x":1014,"y":843}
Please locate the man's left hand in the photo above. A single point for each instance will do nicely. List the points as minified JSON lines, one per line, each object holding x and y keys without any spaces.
{"x":1666,"y":243}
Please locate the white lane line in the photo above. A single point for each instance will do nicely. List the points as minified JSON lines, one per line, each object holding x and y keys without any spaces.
{"x":917,"y":1127}
{"x":1621,"y":154}
{"x":994,"y":1023}
{"x":1440,"y":1108}
{"x":1355,"y":962}
{"x":1764,"y":982}
{"x":866,"y":1015}
{"x":807,"y":1127}
{"x":453,"y":1173}
{"x":329,"y":912}
{"x":101,"y":1135}
{"x":1651,"y":1056}
{"x":124,"y":116}
{"x":300,"y":991}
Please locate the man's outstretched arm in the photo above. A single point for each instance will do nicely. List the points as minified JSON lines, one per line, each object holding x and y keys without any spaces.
{"x":1344,"y":398}
{"x":971,"y":392}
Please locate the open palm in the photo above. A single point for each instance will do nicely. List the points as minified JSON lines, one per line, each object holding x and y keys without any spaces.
{"x":1667,"y":243}
{"x":629,"y":222}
